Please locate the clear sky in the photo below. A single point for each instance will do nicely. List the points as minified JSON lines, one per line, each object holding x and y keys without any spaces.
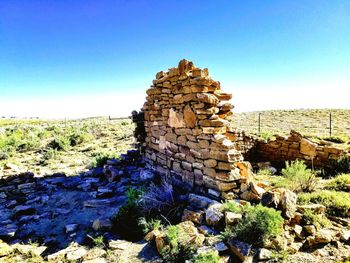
{"x":86,"y":57}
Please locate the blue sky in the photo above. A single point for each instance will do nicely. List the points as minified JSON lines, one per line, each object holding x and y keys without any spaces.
{"x":99,"y":57}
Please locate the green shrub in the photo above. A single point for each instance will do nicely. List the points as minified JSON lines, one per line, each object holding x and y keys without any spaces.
{"x":339,"y":182}
{"x":231,"y":207}
{"x":298,"y":178}
{"x":266,"y":136}
{"x":210,"y":256}
{"x":318,"y":220}
{"x":149,"y":225}
{"x":78,"y":137}
{"x":334,"y":139}
{"x":60,"y":143}
{"x":337,"y":203}
{"x":258,"y":225}
{"x":126,"y":221}
{"x":179,"y":245}
{"x":264,"y":172}
{"x":101,"y":158}
{"x":339,"y":166}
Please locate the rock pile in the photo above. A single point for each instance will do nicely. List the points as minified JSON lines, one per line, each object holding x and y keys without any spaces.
{"x":187,"y":132}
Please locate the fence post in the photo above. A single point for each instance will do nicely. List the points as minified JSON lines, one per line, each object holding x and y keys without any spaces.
{"x":259,"y":127}
{"x":330,"y":124}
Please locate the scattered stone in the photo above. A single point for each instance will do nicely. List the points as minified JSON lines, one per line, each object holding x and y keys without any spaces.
{"x":102,"y":224}
{"x":324,"y":236}
{"x":240,"y":249}
{"x":23,"y":210}
{"x":298,"y":230}
{"x":76,"y":254}
{"x":288,"y":203}
{"x":5,"y":249}
{"x":310,"y":229}
{"x":71,"y":228}
{"x":30,"y":249}
{"x":316,"y":208}
{"x":232,"y":218}
{"x":195,"y":217}
{"x":204,"y":229}
{"x":270,"y":199}
{"x":118,"y":244}
{"x":8,"y":231}
{"x":220,"y":246}
{"x":213,"y":214}
{"x":264,"y":254}
{"x":199,"y":201}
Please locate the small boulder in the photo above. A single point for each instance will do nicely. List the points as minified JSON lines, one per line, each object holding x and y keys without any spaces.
{"x":324,"y":236}
{"x":270,"y":199}
{"x":232,"y":218}
{"x":213,"y":214}
{"x":288,"y":203}
{"x":195,"y":217}
{"x":264,"y":254}
{"x":240,"y":249}
{"x":71,"y":228}
{"x":102,"y":224}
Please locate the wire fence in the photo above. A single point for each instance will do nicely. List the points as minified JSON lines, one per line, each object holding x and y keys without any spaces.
{"x":318,"y":123}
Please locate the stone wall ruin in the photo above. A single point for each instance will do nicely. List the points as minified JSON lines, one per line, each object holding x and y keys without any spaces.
{"x":188,"y":136}
{"x":184,"y":133}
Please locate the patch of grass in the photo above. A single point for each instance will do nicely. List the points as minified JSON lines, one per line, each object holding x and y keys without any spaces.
{"x":337,"y":203}
{"x":149,"y":225}
{"x":210,"y":256}
{"x":297,"y":177}
{"x":99,"y":241}
{"x":258,"y":225}
{"x":231,"y":207}
{"x":339,"y":182}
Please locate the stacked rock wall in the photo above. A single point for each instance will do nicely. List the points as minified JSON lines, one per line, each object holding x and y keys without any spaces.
{"x":188,"y":136}
{"x":295,"y":147}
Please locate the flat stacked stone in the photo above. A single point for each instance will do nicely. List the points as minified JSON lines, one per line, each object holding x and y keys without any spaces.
{"x":187,"y":132}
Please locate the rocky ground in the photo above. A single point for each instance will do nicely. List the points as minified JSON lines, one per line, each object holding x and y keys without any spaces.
{"x":69,"y":219}
{"x":57,"y":216}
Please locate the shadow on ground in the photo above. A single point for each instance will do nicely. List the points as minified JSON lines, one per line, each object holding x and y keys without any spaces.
{"x":57,"y":211}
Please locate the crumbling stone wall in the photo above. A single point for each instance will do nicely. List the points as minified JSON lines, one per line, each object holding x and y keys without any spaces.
{"x":295,"y":146}
{"x":188,"y":136}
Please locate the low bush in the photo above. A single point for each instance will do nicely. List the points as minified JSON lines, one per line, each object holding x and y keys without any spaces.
{"x":298,"y":178}
{"x":126,"y":221}
{"x":334,"y":139}
{"x":101,"y":158}
{"x":210,"y":256}
{"x":318,"y":220}
{"x":339,"y":182}
{"x":60,"y":143}
{"x":338,"y":166}
{"x":337,"y":203}
{"x":162,"y":200}
{"x":179,"y":245}
{"x":259,"y":224}
{"x":149,"y":225}
{"x":231,"y":207}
